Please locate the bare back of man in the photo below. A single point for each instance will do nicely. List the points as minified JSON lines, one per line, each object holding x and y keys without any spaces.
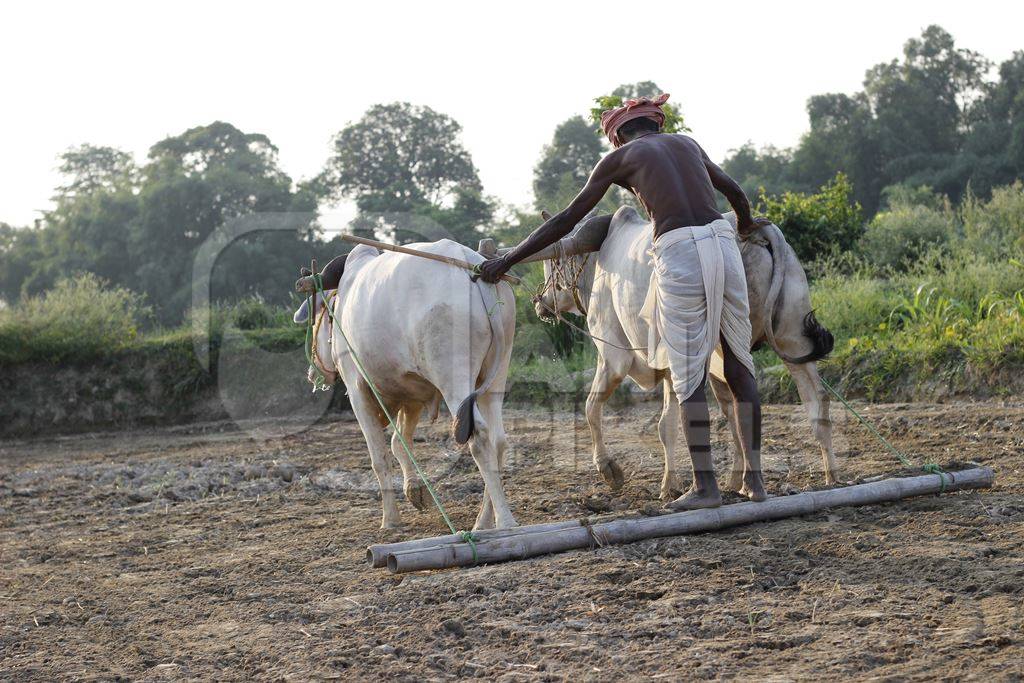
{"x":669,"y":176}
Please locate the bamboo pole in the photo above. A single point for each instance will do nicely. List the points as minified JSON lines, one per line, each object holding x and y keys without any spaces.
{"x":377,"y":555}
{"x":525,"y":545}
{"x":450,"y":260}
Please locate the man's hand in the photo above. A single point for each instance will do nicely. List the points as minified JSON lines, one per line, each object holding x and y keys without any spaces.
{"x":755,"y":224}
{"x":492,"y":269}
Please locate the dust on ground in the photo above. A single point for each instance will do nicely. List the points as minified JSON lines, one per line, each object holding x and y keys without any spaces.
{"x":206,"y":552}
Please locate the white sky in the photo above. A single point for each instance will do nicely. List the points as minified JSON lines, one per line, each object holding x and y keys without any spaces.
{"x":128,"y":74}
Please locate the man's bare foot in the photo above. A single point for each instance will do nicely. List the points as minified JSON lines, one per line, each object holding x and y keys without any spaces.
{"x":753,"y":487}
{"x":696,"y":500}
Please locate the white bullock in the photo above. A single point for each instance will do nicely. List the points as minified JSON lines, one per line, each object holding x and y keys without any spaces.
{"x":611,"y":285}
{"x":424,"y":332}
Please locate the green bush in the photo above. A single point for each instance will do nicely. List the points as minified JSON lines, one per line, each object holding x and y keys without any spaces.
{"x":77,"y":318}
{"x":896,"y":238}
{"x":995,"y":229}
{"x":854,"y":304}
{"x":817,"y":224}
{"x":253,"y":313}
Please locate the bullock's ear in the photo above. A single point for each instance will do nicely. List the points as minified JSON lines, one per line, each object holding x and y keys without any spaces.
{"x":546,"y":215}
{"x":301,"y":315}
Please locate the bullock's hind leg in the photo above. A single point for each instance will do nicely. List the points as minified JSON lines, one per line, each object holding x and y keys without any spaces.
{"x":415,"y":490}
{"x":606,"y":381}
{"x":488,"y":448}
{"x":727,"y":402}
{"x":816,"y":401}
{"x":371,"y":422}
{"x":668,"y":432}
{"x":492,"y":413}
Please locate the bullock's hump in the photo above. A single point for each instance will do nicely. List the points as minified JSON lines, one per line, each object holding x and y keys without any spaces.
{"x":625,"y":215}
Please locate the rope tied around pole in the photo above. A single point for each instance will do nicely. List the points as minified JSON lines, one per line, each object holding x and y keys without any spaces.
{"x":466,"y":536}
{"x":930,"y":467}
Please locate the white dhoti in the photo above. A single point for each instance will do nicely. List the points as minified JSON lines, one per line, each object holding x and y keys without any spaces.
{"x":697,"y":296}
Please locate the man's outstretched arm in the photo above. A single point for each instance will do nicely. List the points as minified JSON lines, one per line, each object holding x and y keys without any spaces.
{"x":734,"y":194}
{"x":559,"y":225}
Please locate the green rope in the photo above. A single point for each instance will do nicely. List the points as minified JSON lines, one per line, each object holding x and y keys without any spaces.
{"x":466,"y":536}
{"x":930,"y":467}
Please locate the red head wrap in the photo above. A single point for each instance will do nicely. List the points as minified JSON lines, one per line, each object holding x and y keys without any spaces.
{"x":612,"y":119}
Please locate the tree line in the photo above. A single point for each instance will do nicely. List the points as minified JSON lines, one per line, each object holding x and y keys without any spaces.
{"x":939,"y":117}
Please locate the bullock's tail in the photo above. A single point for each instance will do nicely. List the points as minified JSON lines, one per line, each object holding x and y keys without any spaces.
{"x":464,"y":423}
{"x":821,"y":339}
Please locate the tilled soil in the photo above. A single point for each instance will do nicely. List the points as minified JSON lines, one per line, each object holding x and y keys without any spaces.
{"x":216,"y":552}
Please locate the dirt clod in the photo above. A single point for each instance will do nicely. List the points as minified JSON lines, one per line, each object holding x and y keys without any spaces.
{"x":455,"y":627}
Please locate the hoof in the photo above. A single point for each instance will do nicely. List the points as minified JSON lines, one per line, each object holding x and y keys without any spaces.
{"x":612,"y":474}
{"x":417,"y":494}
{"x":484,"y":524}
{"x":505,"y":523}
{"x":388,"y":524}
{"x":670,"y":489}
{"x":736,"y":481}
{"x":695,"y":501}
{"x":753,"y":488}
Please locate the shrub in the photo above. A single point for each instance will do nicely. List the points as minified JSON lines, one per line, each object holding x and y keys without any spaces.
{"x":995,"y":228}
{"x":80,"y":317}
{"x":253,"y":313}
{"x":899,"y":236}
{"x":817,"y":224}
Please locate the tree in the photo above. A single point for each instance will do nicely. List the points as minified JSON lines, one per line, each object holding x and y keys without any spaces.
{"x":926,"y":118}
{"x":193,"y":184}
{"x":565,"y":163}
{"x":90,"y":168}
{"x":759,"y":171}
{"x":404,"y":164}
{"x":88,"y":229}
{"x":20,"y":254}
{"x":843,"y":137}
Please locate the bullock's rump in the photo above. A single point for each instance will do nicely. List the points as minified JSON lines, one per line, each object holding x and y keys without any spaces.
{"x":697,"y":295}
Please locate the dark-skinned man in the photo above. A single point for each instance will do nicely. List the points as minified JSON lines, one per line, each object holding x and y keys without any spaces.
{"x":698,"y":294}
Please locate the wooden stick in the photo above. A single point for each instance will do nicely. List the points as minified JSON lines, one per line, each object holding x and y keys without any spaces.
{"x":511,"y":279}
{"x":377,"y":555}
{"x":526,"y":545}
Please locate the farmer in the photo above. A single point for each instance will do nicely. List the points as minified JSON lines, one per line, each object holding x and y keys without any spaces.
{"x":698,"y":295}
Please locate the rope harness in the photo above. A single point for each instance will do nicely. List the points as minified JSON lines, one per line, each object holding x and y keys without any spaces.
{"x":466,"y":536}
{"x":566,"y":276}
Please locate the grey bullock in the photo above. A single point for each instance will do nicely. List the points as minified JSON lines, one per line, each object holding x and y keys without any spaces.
{"x":610,"y":286}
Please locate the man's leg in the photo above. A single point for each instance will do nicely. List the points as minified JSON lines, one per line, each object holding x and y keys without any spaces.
{"x":747,"y":416}
{"x":704,"y":491}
